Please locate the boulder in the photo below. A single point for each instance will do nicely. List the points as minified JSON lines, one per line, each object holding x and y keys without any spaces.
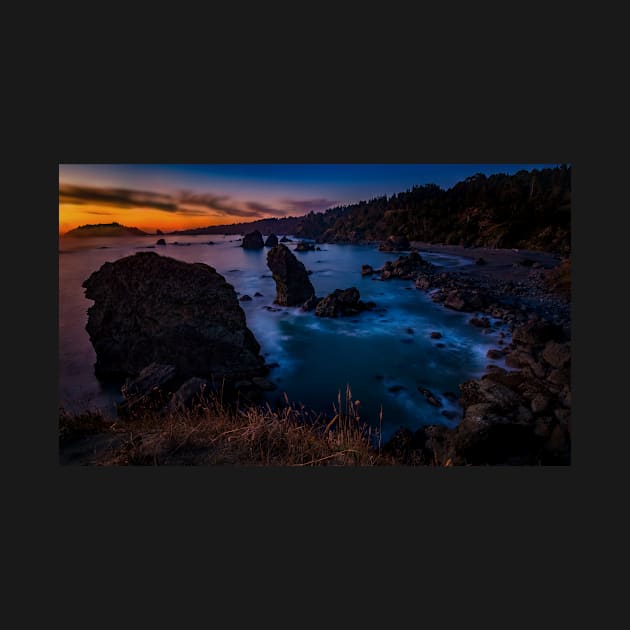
{"x":367,"y":270}
{"x":537,"y":332}
{"x":436,"y":335}
{"x":245,"y":298}
{"x":272,"y":241}
{"x":494,"y":354}
{"x":342,"y":302}
{"x":155,"y":309}
{"x":431,"y":398}
{"x":464,"y":300}
{"x":480,"y":322}
{"x":263,"y":383}
{"x":284,"y":239}
{"x":311,"y":303}
{"x":148,"y":390}
{"x":406,"y":267}
{"x":160,"y":241}
{"x":193,"y":392}
{"x":253,"y":240}
{"x":395,"y":244}
{"x":303,"y":246}
{"x":293,"y":286}
{"x":557,"y":355}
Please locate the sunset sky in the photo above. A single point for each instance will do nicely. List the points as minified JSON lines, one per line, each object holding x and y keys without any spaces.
{"x":180,"y":196}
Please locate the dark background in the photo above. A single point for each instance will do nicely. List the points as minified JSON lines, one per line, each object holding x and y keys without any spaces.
{"x":507,"y":546}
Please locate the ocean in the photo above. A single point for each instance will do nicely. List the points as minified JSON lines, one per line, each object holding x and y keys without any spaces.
{"x":385,"y":357}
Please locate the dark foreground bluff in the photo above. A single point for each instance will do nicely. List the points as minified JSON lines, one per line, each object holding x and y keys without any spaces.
{"x":154,"y":309}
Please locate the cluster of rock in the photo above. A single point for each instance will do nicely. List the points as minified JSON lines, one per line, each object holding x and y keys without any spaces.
{"x":294,"y":288}
{"x":342,"y":303}
{"x":406,"y":267}
{"x":518,"y":417}
{"x":305,"y":246}
{"x":159,"y":322}
{"x":395,"y":244}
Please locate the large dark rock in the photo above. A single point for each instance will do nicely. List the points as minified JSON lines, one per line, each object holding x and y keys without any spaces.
{"x":293,"y":286}
{"x":253,"y":240}
{"x":342,"y":302}
{"x":160,"y":241}
{"x":395,"y":244}
{"x":154,"y":309}
{"x":272,"y":241}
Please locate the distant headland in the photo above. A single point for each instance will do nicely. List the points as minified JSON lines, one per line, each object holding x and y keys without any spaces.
{"x":104,"y":230}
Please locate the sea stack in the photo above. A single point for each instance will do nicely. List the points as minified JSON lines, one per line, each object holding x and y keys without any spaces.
{"x":253,"y":240}
{"x":293,"y":286}
{"x":155,"y":309}
{"x":272,"y":241}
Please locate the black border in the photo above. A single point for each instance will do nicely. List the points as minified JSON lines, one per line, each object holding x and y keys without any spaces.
{"x":513,"y":525}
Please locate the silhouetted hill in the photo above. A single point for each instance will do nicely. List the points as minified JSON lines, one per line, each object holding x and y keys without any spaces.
{"x":104,"y":230}
{"x":527,"y":210}
{"x":286,"y":225}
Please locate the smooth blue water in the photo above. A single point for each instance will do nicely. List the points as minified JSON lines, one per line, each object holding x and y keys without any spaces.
{"x":318,"y":357}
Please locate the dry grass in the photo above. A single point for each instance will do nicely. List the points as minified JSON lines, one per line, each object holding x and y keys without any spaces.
{"x":215,"y":434}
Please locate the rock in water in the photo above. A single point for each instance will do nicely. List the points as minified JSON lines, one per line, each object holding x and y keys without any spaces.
{"x":293,"y":286}
{"x":253,"y":240}
{"x":342,"y":302}
{"x":272,"y":241}
{"x":160,"y":241}
{"x":395,"y":244}
{"x":154,"y":309}
{"x":304,"y":246}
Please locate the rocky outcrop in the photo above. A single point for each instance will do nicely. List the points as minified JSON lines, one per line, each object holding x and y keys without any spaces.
{"x":466,"y":301}
{"x":154,"y":309}
{"x":148,"y":390}
{"x":253,"y":240}
{"x":406,"y":267}
{"x":293,"y":286}
{"x":367,"y":270}
{"x":192,"y":392}
{"x":342,"y":302}
{"x":160,"y":241}
{"x":395,"y":244}
{"x":303,"y":246}
{"x":284,"y":239}
{"x":272,"y":241}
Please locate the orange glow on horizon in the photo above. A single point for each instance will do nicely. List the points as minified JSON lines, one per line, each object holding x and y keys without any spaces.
{"x":146,"y":219}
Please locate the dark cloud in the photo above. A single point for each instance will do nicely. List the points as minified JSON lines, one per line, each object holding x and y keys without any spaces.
{"x":184,"y":202}
{"x":119,"y":197}
{"x":303,"y":206}
{"x":261,"y":209}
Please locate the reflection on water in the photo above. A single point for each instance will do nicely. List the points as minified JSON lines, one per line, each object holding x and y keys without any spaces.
{"x":317,"y":357}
